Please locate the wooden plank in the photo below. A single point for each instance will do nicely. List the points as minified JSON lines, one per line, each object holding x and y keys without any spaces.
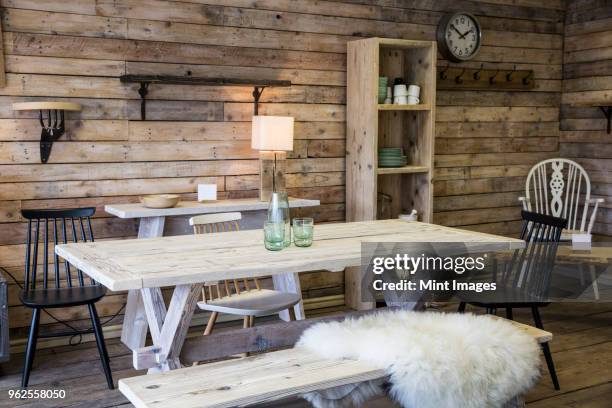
{"x":2,"y":61}
{"x":296,"y":76}
{"x":45,"y":22}
{"x":152,"y":51}
{"x":289,"y":372}
{"x":68,"y":6}
{"x":236,"y":37}
{"x":4,"y":320}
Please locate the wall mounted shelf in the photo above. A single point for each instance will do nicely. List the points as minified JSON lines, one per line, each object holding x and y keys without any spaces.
{"x":146,"y":80}
{"x":55,"y":125}
{"x":604,"y":105}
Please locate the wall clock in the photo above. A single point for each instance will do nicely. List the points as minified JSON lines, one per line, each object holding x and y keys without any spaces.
{"x":459,"y":36}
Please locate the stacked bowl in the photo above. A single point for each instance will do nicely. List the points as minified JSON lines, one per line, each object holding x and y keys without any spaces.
{"x":382,"y":89}
{"x":391,"y":157}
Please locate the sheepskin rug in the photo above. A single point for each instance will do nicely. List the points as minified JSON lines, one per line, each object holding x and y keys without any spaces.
{"x":434,"y":360}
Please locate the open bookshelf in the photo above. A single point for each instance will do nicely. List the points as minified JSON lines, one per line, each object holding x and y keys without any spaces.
{"x":371,"y":125}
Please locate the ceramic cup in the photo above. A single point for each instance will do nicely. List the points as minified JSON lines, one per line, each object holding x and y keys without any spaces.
{"x":414,"y":90}
{"x":413,"y":100}
{"x":400,"y":90}
{"x":400,"y":100}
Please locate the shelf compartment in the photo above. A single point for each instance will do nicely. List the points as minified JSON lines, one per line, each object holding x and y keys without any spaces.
{"x":402,"y":170}
{"x":393,"y":107}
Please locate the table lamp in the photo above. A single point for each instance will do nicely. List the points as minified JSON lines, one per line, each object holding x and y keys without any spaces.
{"x":273,"y":137}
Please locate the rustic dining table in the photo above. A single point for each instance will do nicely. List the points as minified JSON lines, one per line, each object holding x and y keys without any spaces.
{"x":186,"y":262}
{"x":154,"y":221}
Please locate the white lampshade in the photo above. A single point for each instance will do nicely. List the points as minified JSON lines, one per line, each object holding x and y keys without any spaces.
{"x":272,"y":133}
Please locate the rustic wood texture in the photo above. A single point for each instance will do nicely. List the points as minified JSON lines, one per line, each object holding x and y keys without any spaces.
{"x":4,"y":323}
{"x":587,"y":83}
{"x":75,"y":51}
{"x":193,"y":259}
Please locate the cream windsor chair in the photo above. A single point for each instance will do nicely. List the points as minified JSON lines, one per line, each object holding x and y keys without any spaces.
{"x":237,"y":296}
{"x":561,"y":188}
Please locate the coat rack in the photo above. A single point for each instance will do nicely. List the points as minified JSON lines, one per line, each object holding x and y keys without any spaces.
{"x":146,"y":80}
{"x":484,"y":79}
{"x":51,"y":117}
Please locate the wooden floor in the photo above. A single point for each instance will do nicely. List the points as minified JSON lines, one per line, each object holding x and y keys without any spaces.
{"x":582,"y":350}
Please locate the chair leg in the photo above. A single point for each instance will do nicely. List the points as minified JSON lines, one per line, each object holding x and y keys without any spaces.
{"x":461,"y":308}
{"x":291,"y":311}
{"x":546,"y":349}
{"x":95,"y":320}
{"x":551,"y":366}
{"x":491,"y":310}
{"x":211,"y":323}
{"x":537,"y":319}
{"x":31,"y":348}
{"x":251,"y":321}
{"x":509,"y":315}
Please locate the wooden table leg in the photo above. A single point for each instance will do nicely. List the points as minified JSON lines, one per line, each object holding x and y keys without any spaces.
{"x":352,"y":290}
{"x":134,"y":331}
{"x":289,"y":282}
{"x":169,"y":327}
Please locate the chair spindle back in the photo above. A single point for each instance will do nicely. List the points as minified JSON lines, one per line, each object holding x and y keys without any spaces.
{"x":214,"y":223}
{"x":55,"y":226}
{"x":561,"y":188}
{"x":531,"y":267}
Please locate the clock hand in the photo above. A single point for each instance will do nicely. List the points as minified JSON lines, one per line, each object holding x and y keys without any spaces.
{"x":466,"y":33}
{"x":455,"y":28}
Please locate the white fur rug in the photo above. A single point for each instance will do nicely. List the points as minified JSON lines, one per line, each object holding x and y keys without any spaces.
{"x":434,"y":360}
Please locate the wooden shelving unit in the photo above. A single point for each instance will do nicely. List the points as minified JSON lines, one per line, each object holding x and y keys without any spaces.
{"x":371,"y":125}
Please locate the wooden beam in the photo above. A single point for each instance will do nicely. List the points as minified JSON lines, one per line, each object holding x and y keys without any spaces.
{"x":255,"y":339}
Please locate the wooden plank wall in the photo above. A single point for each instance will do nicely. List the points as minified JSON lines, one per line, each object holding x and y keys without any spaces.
{"x":587,"y":77}
{"x":76,"y":49}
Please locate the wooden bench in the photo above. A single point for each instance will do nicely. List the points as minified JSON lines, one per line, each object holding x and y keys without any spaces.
{"x":257,"y":379}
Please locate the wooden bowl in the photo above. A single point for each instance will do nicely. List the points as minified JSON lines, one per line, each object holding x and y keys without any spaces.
{"x":160,"y":200}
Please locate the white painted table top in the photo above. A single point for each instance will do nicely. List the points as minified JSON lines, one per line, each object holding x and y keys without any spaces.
{"x":190,"y":259}
{"x":193,"y":207}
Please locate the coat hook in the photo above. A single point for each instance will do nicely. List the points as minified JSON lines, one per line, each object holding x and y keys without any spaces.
{"x":509,"y":74}
{"x":527,"y":78}
{"x":492,"y":78}
{"x":458,"y":78}
{"x":443,"y":73}
{"x":477,"y":73}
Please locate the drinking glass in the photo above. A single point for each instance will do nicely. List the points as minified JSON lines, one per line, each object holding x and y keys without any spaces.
{"x":303,"y":230}
{"x":274,"y":235}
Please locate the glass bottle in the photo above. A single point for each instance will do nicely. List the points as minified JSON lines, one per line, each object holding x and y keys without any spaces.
{"x":278,"y":211}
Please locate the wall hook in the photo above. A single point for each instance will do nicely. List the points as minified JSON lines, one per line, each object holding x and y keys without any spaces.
{"x":443,"y":72}
{"x":459,"y":78}
{"x":509,"y":74}
{"x":492,"y":78}
{"x":55,"y":125}
{"x":477,"y":73}
{"x":527,"y":78}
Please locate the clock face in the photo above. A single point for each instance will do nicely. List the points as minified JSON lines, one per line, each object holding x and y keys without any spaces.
{"x":461,"y":36}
